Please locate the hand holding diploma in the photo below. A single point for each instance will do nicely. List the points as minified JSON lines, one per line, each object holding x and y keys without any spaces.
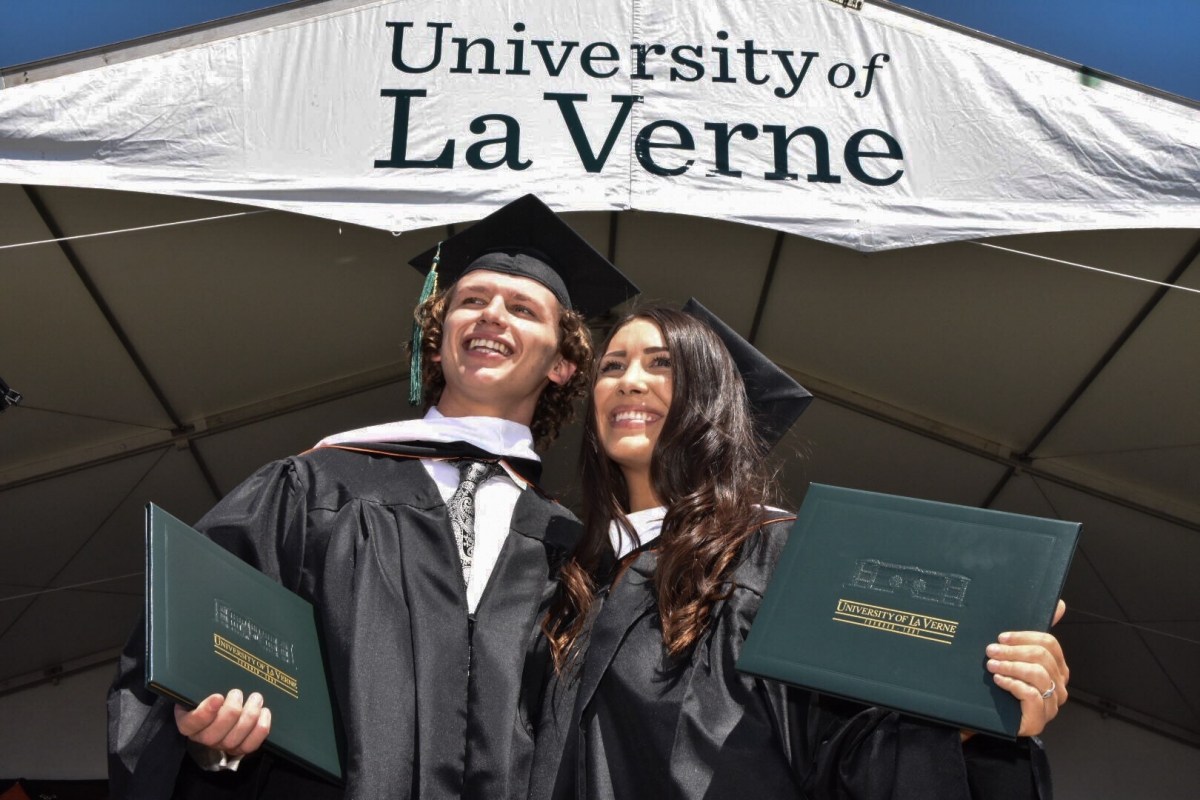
{"x":1022,"y":662}
{"x":1030,"y":665}
{"x":226,"y":723}
{"x":233,"y":626}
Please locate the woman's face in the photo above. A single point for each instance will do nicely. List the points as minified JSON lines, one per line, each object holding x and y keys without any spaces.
{"x":632,"y":394}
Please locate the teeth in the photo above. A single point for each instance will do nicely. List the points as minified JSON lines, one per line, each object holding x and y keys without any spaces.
{"x":489,"y":344}
{"x":633,"y":416}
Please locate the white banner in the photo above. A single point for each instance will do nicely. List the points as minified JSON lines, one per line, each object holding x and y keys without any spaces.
{"x":867,"y":128}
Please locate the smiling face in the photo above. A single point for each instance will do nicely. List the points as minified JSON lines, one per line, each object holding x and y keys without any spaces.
{"x":631,"y":396}
{"x":500,"y":347}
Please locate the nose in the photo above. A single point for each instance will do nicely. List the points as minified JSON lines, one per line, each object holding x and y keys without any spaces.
{"x":494,"y":311}
{"x":633,"y":379}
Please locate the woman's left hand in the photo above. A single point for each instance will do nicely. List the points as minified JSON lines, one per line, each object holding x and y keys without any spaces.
{"x":1030,"y":665}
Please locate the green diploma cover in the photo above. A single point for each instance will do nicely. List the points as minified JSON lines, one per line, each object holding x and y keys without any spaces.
{"x":892,"y":601}
{"x":214,"y":623}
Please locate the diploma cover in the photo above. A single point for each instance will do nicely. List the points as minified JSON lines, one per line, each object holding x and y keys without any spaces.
{"x":892,"y":601}
{"x":214,"y":623}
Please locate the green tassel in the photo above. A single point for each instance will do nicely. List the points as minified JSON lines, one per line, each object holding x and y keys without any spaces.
{"x":414,"y":370}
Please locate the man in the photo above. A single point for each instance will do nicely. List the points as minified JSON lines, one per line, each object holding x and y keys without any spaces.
{"x":427,"y":608}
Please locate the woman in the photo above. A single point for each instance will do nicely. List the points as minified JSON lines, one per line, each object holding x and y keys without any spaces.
{"x":677,"y":495}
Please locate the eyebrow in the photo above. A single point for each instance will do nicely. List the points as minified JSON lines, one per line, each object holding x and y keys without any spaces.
{"x":648,"y":351}
{"x":480,"y":288}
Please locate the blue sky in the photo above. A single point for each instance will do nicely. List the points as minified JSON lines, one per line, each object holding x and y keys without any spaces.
{"x":1149,"y":41}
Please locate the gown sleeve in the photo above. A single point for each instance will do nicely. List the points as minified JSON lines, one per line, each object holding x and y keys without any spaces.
{"x":262,"y":522}
{"x":555,"y":737}
{"x":744,"y":736}
{"x":857,"y":752}
{"x":734,"y":737}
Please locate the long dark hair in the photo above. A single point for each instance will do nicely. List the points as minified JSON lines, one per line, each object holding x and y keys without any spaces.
{"x":708,"y":468}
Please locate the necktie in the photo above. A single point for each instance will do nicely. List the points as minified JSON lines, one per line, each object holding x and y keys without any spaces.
{"x":462,"y":508}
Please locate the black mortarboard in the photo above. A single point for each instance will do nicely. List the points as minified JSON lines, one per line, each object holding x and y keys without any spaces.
{"x":526,"y":238}
{"x":776,"y":399}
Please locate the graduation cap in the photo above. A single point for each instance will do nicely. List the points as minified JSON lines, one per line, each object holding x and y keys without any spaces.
{"x":527,"y":239}
{"x":776,"y":399}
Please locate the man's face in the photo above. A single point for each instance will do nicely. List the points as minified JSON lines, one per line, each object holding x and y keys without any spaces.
{"x":499,"y":346}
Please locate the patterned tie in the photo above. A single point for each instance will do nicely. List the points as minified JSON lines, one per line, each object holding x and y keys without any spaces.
{"x":462,"y":508}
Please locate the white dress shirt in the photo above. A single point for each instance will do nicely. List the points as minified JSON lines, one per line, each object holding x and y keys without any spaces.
{"x":648,"y":525}
{"x":495,"y":501}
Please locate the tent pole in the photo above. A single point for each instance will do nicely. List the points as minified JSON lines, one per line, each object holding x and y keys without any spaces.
{"x":763,"y":293}
{"x":72,"y":257}
{"x":1027,"y":456}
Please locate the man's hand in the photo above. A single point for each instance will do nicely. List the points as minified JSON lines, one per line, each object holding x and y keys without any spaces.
{"x":225,"y":723}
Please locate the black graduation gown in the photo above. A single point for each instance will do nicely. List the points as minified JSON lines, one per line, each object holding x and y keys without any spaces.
{"x":428,"y":700}
{"x":645,"y":727}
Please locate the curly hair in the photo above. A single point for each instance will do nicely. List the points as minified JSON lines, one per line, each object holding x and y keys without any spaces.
{"x":708,"y":467}
{"x":555,"y":406}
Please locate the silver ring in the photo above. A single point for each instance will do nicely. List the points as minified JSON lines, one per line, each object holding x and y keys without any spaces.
{"x":1046,"y":694}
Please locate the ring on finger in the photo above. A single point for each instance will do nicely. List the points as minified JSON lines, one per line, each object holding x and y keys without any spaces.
{"x":1047,"y":694}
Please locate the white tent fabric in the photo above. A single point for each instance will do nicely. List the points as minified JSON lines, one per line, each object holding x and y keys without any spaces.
{"x":857,"y":126}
